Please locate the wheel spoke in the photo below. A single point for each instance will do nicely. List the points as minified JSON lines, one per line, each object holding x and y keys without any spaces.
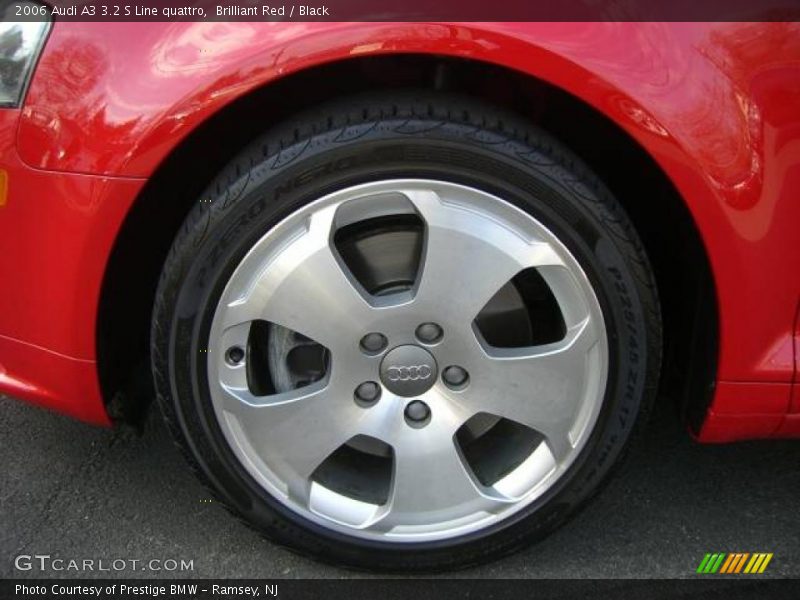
{"x":305,"y":288}
{"x":431,"y":481}
{"x":468,"y":257}
{"x":541,"y":387}
{"x":295,"y":430}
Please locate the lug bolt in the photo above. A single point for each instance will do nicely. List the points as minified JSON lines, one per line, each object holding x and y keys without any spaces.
{"x":368,"y":392}
{"x":455,"y":377}
{"x":417,"y":412}
{"x":429,"y":333}
{"x":373,"y":343}
{"x":234,"y":355}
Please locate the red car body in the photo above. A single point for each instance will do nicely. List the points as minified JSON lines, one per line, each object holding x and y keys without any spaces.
{"x":716,"y":106}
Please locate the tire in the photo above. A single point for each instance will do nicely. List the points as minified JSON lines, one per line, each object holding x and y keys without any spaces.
{"x":421,"y":137}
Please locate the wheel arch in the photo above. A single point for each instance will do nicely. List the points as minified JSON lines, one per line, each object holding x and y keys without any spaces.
{"x":671,"y":238}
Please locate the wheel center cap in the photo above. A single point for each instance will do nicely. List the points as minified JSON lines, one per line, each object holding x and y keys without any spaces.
{"x":408,"y":370}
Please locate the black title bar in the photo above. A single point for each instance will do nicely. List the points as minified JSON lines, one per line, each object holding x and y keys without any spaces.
{"x":402,"y":10}
{"x":721,"y":588}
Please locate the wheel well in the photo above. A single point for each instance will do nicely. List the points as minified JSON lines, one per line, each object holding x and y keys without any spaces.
{"x":682,"y":268}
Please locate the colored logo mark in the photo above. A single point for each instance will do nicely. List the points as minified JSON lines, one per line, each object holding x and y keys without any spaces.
{"x":735,"y":562}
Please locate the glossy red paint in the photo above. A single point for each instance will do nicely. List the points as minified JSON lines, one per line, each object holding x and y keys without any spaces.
{"x":721,"y":429}
{"x":714,"y":104}
{"x":56,"y":230}
{"x":52,"y":380}
{"x":745,"y":410}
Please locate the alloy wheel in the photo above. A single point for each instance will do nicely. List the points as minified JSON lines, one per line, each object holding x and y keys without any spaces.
{"x":407,"y":360}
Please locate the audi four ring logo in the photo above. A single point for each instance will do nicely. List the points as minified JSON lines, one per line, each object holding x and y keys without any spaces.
{"x":410,"y":373}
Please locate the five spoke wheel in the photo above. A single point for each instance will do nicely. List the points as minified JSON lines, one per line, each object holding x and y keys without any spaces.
{"x":417,"y":401}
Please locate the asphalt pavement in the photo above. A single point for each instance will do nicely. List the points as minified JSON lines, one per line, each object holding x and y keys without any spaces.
{"x":72,"y":491}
